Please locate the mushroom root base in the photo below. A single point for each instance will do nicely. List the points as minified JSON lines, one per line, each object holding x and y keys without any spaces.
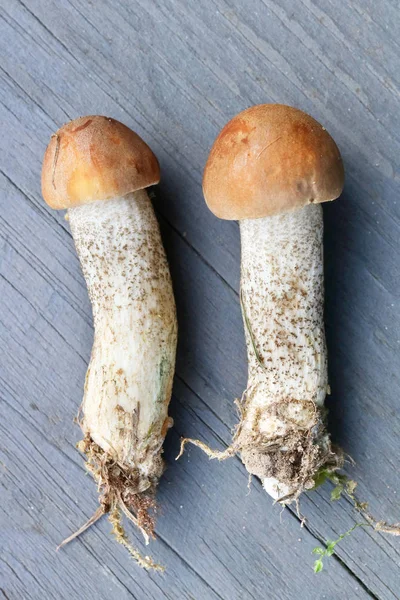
{"x":288,"y":462}
{"x":122,"y":487}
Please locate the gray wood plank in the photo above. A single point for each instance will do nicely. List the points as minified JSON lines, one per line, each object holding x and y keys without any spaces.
{"x":176,"y":74}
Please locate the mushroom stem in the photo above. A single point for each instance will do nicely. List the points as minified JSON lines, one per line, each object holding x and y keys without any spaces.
{"x":129,"y":379}
{"x":282,"y":438}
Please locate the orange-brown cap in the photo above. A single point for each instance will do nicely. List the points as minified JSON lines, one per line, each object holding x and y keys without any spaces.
{"x":271,"y":159}
{"x":95,"y":158}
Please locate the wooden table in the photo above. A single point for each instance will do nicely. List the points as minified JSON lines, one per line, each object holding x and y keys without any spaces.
{"x":176,"y":72}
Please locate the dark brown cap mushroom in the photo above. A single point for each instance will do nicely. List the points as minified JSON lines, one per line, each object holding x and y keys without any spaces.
{"x":95,"y":158}
{"x":271,"y":159}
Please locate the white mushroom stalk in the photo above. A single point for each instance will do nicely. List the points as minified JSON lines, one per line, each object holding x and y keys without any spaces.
{"x":282,"y":431}
{"x":129,"y":380}
{"x":269,"y":168}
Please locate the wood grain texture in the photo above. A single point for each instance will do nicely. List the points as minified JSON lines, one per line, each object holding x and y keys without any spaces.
{"x":176,"y":72}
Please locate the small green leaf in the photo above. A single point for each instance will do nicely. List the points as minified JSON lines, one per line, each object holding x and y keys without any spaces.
{"x":334,"y":477}
{"x":330,"y":548}
{"x":320,"y":477}
{"x":336,"y":493}
{"x":318,"y":565}
{"x":351,"y":487}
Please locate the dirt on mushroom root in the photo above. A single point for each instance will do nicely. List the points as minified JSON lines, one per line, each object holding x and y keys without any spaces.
{"x":120,"y":493}
{"x":294,"y":459}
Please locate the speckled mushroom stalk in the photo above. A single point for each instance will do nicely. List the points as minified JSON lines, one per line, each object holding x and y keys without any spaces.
{"x":269,"y":168}
{"x":283,"y":439}
{"x":97,"y":169}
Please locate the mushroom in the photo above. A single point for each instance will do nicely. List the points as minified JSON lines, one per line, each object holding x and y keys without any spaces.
{"x":97,"y":169}
{"x":270,"y":168}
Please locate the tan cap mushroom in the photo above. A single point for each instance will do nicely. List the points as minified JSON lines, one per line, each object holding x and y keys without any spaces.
{"x":95,"y":158}
{"x":268,"y":160}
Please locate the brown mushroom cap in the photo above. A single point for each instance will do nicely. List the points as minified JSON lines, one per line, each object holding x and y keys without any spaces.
{"x":95,"y":158}
{"x":268,"y":160}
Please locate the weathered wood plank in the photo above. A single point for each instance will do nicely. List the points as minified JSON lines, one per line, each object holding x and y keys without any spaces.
{"x":64,"y":59}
